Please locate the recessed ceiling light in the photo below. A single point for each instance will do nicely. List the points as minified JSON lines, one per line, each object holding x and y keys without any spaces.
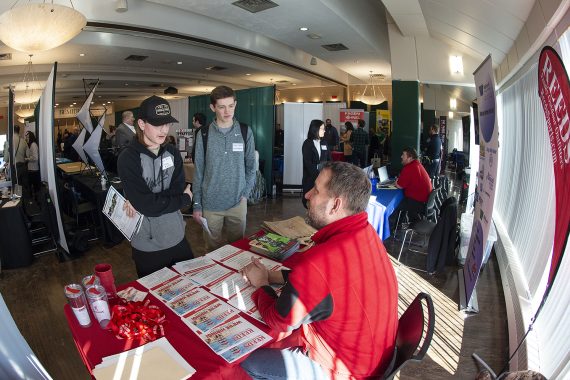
{"x":74,"y":103}
{"x":248,"y":74}
{"x":92,"y":102}
{"x":82,"y":54}
{"x":294,"y":84}
{"x":179,"y":62}
{"x":126,"y":84}
{"x":303,"y":29}
{"x":57,"y":104}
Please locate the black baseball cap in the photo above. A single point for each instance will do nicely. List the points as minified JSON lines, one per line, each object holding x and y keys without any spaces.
{"x":156,"y":111}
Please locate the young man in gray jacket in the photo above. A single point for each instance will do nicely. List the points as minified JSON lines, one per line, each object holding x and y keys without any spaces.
{"x":225,"y":172}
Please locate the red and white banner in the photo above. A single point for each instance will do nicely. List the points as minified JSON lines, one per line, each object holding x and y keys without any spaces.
{"x":351,"y":115}
{"x":554,"y":92}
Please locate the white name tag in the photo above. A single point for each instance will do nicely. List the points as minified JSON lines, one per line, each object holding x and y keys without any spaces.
{"x":167,"y":162}
{"x":237,"y":147}
{"x":323,"y":147}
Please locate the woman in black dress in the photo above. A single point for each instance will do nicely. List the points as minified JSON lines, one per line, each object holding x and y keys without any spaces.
{"x":315,"y":153}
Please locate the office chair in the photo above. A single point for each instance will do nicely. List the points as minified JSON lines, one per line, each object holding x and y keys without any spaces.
{"x":411,"y":333}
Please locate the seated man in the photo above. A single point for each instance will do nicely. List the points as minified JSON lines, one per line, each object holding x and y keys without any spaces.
{"x":417,"y":186}
{"x":341,"y":296}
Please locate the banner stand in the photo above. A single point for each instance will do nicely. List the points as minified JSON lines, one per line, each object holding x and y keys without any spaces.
{"x":473,"y":305}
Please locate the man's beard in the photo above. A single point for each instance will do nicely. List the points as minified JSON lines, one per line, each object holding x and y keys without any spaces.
{"x":315,"y":216}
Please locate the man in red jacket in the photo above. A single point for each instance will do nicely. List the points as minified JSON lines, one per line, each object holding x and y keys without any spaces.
{"x":340,"y":297}
{"x":417,"y":186}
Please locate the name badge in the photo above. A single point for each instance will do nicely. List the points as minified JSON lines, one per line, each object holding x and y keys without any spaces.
{"x":167,"y":162}
{"x":237,"y":147}
{"x":323,"y":147}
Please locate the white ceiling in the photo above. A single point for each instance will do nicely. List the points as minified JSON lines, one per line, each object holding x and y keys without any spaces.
{"x":281,"y":51}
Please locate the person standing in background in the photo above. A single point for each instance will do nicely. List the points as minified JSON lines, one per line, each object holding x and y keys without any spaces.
{"x":224,"y":172}
{"x":433,"y":151}
{"x":198,"y":121}
{"x":125,"y":132}
{"x":32,"y":157}
{"x":360,"y":141}
{"x":345,"y":138}
{"x":331,"y":136}
{"x":315,"y":153}
{"x":19,"y":148}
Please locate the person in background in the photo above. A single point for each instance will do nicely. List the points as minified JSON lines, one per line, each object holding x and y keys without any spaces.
{"x":153,"y":181}
{"x":198,"y":121}
{"x":359,"y":140}
{"x":171,"y":140}
{"x":19,"y":148}
{"x":331,"y":136}
{"x":345,"y":318}
{"x":125,"y":132}
{"x":315,"y":153}
{"x":345,"y":138}
{"x":68,"y":151}
{"x":224,"y":173}
{"x":32,"y":157}
{"x":417,"y":186}
{"x":433,"y":152}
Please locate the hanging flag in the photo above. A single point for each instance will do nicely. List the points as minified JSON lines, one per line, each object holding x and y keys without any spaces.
{"x":84,"y":116}
{"x":91,"y":147}
{"x":554,"y":92}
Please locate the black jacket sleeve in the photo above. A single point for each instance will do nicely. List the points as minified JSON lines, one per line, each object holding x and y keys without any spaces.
{"x":139,"y":194}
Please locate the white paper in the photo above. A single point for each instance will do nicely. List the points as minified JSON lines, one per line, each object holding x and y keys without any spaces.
{"x":237,"y":259}
{"x":190,"y":300}
{"x":118,"y":370}
{"x":113,"y":209}
{"x":204,"y":223}
{"x":209,"y":274}
{"x":228,"y":285}
{"x":173,"y":288}
{"x":209,"y":315}
{"x":157,"y":278}
{"x":189,"y":267}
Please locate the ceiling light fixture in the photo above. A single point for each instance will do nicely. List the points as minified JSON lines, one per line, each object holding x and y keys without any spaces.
{"x":82,"y":54}
{"x":372,"y":93}
{"x":303,"y":29}
{"x":450,"y":114}
{"x":179,"y":62}
{"x":52,"y":25}
{"x":28,"y":98}
{"x":456,"y":64}
{"x":452,"y":103}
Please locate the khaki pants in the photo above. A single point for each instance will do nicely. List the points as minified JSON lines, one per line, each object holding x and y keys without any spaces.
{"x":231,"y":222}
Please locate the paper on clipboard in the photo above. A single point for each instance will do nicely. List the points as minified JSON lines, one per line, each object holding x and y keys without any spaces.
{"x":113,"y":209}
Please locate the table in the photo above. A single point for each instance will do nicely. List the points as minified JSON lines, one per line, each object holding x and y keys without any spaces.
{"x":381,"y":205}
{"x":90,"y":187}
{"x":73,"y":167}
{"x":337,"y":156}
{"x":189,"y":172}
{"x":15,"y":239}
{"x":93,"y":343}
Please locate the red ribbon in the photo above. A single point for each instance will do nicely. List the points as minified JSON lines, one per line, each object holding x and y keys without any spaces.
{"x":137,"y":320}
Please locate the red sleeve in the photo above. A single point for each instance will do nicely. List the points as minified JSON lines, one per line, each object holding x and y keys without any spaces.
{"x":300,"y":302}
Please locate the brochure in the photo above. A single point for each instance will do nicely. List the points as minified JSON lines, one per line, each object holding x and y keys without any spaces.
{"x":229,"y":334}
{"x":227,"y":285}
{"x":113,"y":209}
{"x":158,"y":278}
{"x":173,"y":288}
{"x":191,"y":300}
{"x":209,"y":315}
{"x":236,"y":258}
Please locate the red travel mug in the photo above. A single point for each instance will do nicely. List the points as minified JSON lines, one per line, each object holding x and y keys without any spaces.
{"x":106,"y":278}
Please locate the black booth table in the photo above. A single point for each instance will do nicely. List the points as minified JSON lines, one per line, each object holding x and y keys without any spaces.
{"x":90,"y":188}
{"x":15,"y":240}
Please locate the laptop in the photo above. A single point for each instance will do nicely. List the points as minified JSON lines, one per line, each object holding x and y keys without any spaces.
{"x":384,"y":180}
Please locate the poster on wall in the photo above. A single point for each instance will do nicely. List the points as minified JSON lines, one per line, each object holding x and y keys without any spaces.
{"x":383,"y":120}
{"x":351,"y":115}
{"x":554,"y":92}
{"x":486,"y":177}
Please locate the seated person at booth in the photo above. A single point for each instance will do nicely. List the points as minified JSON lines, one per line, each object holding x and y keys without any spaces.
{"x":417,"y":186}
{"x":341,"y":296}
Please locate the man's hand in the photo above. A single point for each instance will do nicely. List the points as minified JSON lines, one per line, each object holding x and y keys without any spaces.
{"x":256,"y":273}
{"x":197,"y":215}
{"x":129,"y":209}
{"x":188,"y":191}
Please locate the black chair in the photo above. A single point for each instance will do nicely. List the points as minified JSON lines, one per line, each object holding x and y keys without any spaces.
{"x":43,"y":225}
{"x":429,"y":212}
{"x":412,"y":332}
{"x":440,"y":245}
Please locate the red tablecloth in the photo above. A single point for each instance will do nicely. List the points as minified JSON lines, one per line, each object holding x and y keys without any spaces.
{"x":94,"y":343}
{"x":337,"y":156}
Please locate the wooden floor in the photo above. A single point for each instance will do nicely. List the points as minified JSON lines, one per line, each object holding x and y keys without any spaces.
{"x":35,"y":298}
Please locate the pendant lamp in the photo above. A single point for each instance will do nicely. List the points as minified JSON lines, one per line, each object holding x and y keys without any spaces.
{"x":36,"y":27}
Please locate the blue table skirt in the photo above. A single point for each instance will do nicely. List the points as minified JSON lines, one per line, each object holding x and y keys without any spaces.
{"x":381,"y":205}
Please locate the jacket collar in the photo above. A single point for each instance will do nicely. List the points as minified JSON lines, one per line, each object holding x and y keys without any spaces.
{"x":345,"y":225}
